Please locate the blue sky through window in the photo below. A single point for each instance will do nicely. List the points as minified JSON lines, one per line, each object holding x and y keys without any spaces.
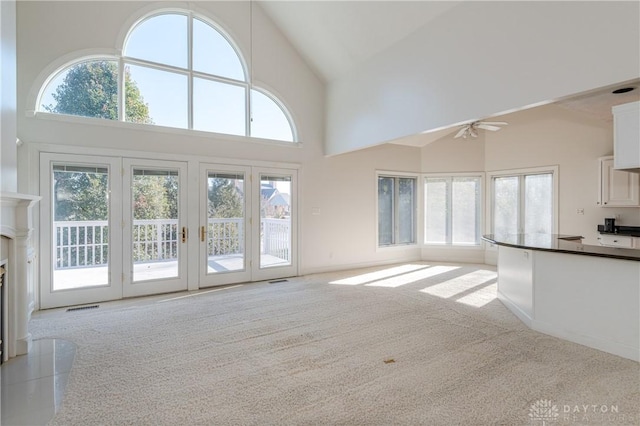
{"x":219,"y":107}
{"x":166,"y":93}
{"x":212,"y":53}
{"x":161,"y":39}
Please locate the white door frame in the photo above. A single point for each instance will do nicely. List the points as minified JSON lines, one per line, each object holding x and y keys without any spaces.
{"x":223,"y":278}
{"x":275,"y":272}
{"x":141,"y":288}
{"x":113,"y":290}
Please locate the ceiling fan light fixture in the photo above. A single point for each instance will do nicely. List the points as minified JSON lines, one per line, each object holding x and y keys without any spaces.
{"x":471,"y":129}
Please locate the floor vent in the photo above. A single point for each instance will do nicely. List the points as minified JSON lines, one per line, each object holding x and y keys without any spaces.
{"x":82,"y":308}
{"x":278,"y":281}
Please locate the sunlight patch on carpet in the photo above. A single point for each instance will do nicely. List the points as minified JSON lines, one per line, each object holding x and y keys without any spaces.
{"x":460,"y":284}
{"x":378,"y":275}
{"x":480,"y":297}
{"x":413,"y":277}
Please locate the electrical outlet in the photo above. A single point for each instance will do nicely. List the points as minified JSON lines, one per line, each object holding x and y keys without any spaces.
{"x":617,"y":216}
{"x":580,"y":211}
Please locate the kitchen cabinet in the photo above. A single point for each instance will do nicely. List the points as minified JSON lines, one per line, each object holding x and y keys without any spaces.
{"x":626,"y":136}
{"x":618,"y":188}
{"x":622,"y":241}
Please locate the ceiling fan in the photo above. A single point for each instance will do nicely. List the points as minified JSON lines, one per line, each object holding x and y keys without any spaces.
{"x":471,"y":129}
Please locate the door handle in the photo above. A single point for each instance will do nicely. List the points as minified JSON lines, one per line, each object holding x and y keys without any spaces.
{"x":203,"y":233}
{"x":185,"y":234}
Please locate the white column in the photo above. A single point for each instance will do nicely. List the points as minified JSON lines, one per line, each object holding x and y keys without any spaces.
{"x":16,"y":223}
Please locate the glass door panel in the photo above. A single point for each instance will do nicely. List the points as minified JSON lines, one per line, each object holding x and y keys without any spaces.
{"x":225,"y":222}
{"x":223,"y":231}
{"x":155,"y":229}
{"x":81,"y":226}
{"x":275,"y":221}
{"x":276,"y":246}
{"x":77,"y":220}
{"x":155,"y":235}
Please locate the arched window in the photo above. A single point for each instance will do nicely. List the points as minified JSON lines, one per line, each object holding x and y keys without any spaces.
{"x":178,"y":70}
{"x":88,"y":88}
{"x":268,"y":119}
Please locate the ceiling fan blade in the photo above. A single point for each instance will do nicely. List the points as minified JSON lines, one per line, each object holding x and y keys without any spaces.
{"x":494,"y":123}
{"x":461,"y":132}
{"x":486,"y":126}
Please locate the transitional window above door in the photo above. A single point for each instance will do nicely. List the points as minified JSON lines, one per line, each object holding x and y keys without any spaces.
{"x":178,"y":69}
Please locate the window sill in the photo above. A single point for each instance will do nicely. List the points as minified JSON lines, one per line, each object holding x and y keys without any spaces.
{"x":397,"y":247}
{"x":479,"y":246}
{"x":41,"y":115}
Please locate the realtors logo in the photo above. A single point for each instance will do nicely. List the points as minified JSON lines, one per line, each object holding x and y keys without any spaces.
{"x":544,"y":411}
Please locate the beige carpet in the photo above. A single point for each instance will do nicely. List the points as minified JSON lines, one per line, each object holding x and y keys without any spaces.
{"x":404,"y":345}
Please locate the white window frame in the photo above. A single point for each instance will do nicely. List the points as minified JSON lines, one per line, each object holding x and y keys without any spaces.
{"x":479,"y":210}
{"x":416,"y":209}
{"x":490,"y":196}
{"x":116,"y":55}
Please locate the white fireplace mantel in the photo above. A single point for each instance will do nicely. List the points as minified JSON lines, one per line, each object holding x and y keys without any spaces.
{"x":16,"y":223}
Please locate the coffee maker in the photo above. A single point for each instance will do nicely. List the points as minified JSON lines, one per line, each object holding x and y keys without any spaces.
{"x":610,"y":225}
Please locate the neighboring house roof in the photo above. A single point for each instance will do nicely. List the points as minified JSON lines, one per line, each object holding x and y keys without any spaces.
{"x":268,"y":192}
{"x":279,"y":200}
{"x":274,"y":197}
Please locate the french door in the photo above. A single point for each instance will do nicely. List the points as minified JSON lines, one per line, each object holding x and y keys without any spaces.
{"x":248,"y":227}
{"x":114,"y":227}
{"x":111,"y":228}
{"x":154,"y":227}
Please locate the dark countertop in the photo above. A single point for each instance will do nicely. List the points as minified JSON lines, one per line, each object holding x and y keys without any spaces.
{"x":629,"y":231}
{"x":561,"y":244}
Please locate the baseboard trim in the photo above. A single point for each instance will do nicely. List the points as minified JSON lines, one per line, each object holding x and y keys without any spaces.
{"x":522,"y":316}
{"x":608,"y":346}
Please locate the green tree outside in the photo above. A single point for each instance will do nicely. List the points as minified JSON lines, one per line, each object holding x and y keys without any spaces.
{"x":90,"y":89}
{"x":224,"y":202}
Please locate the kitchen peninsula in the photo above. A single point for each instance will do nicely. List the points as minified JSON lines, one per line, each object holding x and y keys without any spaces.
{"x":585,"y":294}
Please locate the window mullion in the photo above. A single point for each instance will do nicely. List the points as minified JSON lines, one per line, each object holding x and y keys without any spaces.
{"x":190,"y":66}
{"x":521,"y":204}
{"x":395,"y":211}
{"x":248,"y":111}
{"x":479,"y":194}
{"x":122,"y":90}
{"x":449,"y":214}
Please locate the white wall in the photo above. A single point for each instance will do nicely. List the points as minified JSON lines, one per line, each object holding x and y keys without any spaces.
{"x":343,"y":190}
{"x":544,"y":136}
{"x":481,"y":59}
{"x":8,"y":130}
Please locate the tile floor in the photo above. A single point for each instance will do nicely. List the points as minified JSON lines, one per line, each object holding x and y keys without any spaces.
{"x":33,"y":385}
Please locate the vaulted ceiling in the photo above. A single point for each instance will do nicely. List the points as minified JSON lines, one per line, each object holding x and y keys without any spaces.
{"x":335,"y":36}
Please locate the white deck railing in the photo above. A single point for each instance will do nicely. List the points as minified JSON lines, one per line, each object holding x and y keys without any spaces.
{"x":275,"y":238}
{"x":80,"y":244}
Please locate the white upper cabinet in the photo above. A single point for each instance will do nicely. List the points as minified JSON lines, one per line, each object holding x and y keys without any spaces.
{"x":626,"y":135}
{"x":617,"y":187}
